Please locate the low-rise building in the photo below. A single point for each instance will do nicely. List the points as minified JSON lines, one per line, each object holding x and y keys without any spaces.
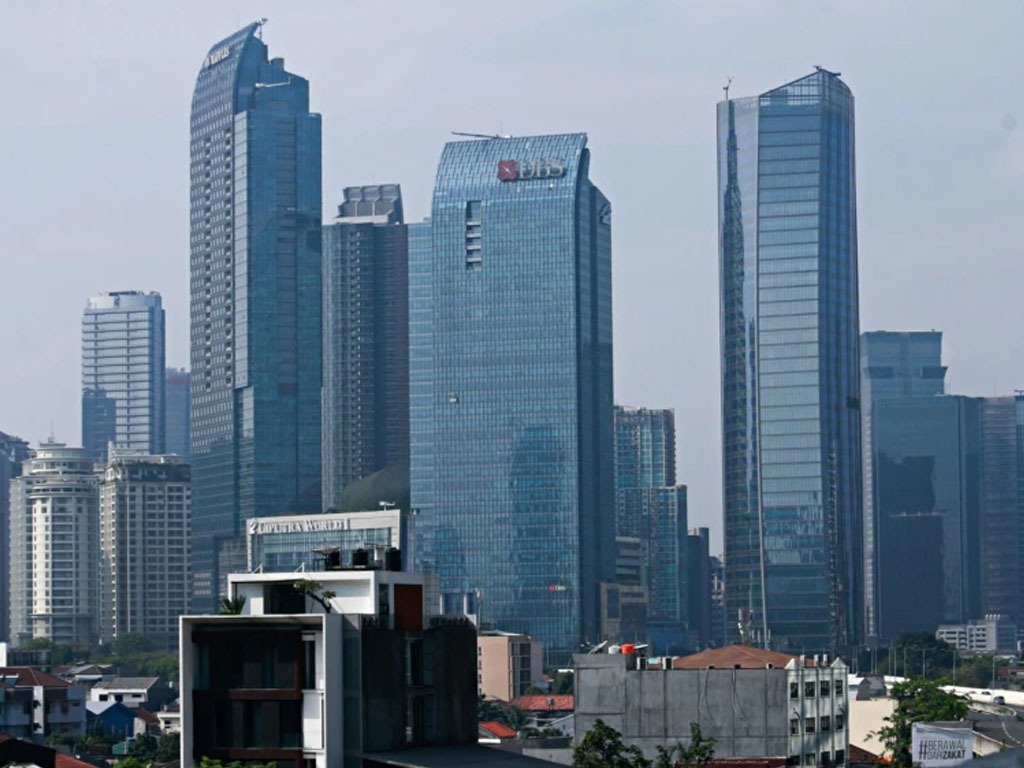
{"x":130,"y":691}
{"x":327,"y":679}
{"x":753,"y":702}
{"x":995,"y":632}
{"x":507,"y":664}
{"x":34,"y":704}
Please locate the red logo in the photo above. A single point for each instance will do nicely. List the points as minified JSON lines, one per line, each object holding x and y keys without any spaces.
{"x":507,"y":170}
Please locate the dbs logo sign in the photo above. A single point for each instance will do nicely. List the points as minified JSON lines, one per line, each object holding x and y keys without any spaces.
{"x":534,"y":168}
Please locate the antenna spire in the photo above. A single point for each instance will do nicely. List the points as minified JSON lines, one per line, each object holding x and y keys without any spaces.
{"x":728,"y":82}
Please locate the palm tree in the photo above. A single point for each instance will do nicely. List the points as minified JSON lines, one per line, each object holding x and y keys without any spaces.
{"x":231,"y":606}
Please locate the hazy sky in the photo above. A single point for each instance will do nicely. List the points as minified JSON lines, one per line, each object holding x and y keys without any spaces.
{"x":94,"y":162}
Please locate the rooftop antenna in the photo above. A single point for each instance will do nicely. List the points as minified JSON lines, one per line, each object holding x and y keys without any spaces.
{"x":728,"y":82}
{"x":260,"y":23}
{"x":481,"y":135}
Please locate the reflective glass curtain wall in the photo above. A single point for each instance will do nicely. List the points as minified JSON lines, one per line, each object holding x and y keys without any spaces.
{"x":790,"y":368}
{"x":511,"y":386}
{"x":255,"y":302}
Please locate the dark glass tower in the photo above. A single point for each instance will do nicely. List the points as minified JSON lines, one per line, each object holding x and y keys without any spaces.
{"x":176,"y":416}
{"x":894,"y":365}
{"x":366,"y":339}
{"x":790,"y":368}
{"x":511,"y":386}
{"x":256,"y":341}
{"x":13,"y":451}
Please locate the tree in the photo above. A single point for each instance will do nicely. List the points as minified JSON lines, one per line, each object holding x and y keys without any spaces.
{"x":602,"y":747}
{"x":38,"y":644}
{"x":131,"y":643}
{"x":143,"y":748}
{"x":316,"y":591}
{"x":131,"y":762}
{"x":562,"y":682}
{"x":231,"y":606}
{"x":697,"y":754}
{"x":917,"y":701}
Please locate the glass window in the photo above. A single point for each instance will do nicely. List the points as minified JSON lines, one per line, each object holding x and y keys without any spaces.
{"x":809,"y":693}
{"x":808,"y":725}
{"x":826,"y":724}
{"x":794,"y":726}
{"x":794,"y":690}
{"x":826,"y":688}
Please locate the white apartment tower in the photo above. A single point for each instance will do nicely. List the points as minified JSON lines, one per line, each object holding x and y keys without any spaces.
{"x":144,"y":526}
{"x":53,"y":545}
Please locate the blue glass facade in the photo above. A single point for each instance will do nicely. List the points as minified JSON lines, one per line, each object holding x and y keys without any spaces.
{"x":255,"y":302}
{"x":511,"y":386}
{"x":894,"y":364}
{"x":790,"y":368}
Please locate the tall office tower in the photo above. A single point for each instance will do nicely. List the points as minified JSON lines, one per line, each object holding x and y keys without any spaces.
{"x":177,"y":435}
{"x":511,"y":386}
{"x":54,"y":546}
{"x":927,"y":480}
{"x":645,"y":457}
{"x":143,"y":546}
{"x":123,"y":372}
{"x":718,"y":631}
{"x":699,"y":586}
{"x":256,"y":341}
{"x":790,"y":378}
{"x":13,"y":452}
{"x":366,"y":338}
{"x":1002,"y":507}
{"x":893,"y":365}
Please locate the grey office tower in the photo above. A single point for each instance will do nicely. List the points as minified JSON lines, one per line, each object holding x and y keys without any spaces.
{"x":511,"y":386}
{"x":177,"y":393}
{"x":255,"y":307}
{"x":790,"y":373}
{"x":366,"y":339}
{"x":123,"y":373}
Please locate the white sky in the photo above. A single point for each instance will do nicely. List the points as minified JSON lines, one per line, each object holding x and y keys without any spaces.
{"x":94,"y":161}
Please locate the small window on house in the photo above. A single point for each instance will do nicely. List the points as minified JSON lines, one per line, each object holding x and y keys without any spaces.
{"x":794,"y":726}
{"x":826,"y":723}
{"x":825,"y":688}
{"x":809,"y":725}
{"x":840,"y":756}
{"x":794,"y":690}
{"x":839,"y":690}
{"x":809,"y":690}
{"x":839,"y":723}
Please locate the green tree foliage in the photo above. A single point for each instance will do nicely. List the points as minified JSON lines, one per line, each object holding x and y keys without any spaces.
{"x":130,"y":762}
{"x":492,"y":710}
{"x":129,"y":643}
{"x":602,"y":747}
{"x":917,"y":701}
{"x":562,"y":682}
{"x":697,"y":754}
{"x":160,"y":749}
{"x":231,"y":606}
{"x":316,"y":591}
{"x":208,"y":762}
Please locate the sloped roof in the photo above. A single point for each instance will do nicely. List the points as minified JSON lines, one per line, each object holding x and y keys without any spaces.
{"x":146,"y":716}
{"x":562,"y":702}
{"x":733,"y":657}
{"x":128,"y":683}
{"x":30,"y":676}
{"x":498,"y":730}
{"x":66,"y":761}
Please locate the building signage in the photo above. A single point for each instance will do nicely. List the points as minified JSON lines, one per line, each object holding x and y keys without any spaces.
{"x":934,"y":745}
{"x":532,"y":168}
{"x":216,"y":57}
{"x":259,"y":527}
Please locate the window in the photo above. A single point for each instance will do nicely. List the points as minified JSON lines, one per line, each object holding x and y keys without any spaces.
{"x":794,"y":726}
{"x":840,"y":757}
{"x":809,"y":759}
{"x":825,"y":688}
{"x":839,"y":723}
{"x":794,"y":690}
{"x":809,"y":725}
{"x":826,"y":759}
{"x":809,"y":690}
{"x":839,"y":687}
{"x":826,"y":724}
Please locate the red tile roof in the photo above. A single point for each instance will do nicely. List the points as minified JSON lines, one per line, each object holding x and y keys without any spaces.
{"x":733,"y":657}
{"x":30,"y":676}
{"x":498,"y":730}
{"x":558,"y":703}
{"x":860,"y":756}
{"x":146,"y":716}
{"x":66,"y":761}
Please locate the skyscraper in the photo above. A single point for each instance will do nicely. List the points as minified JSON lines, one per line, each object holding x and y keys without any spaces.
{"x":123,"y":372}
{"x":255,"y":306}
{"x":177,"y":436}
{"x":366,"y":338}
{"x":13,"y":451}
{"x":790,"y":373}
{"x":894,"y":365}
{"x":54,"y":546}
{"x":511,"y":386}
{"x":143,"y":546}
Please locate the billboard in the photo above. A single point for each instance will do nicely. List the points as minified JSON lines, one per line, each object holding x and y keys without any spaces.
{"x":936,"y":745}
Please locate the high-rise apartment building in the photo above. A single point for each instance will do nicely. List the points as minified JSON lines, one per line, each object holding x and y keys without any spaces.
{"x":255,"y":302}
{"x":790,"y":374}
{"x":143,"y":546}
{"x":13,"y":451}
{"x":53,"y":547}
{"x":893,"y":365}
{"x":177,"y":435}
{"x":699,"y":587}
{"x":366,"y":338}
{"x":123,"y":372}
{"x":645,"y":457}
{"x":511,"y":386}
{"x":927,"y":480}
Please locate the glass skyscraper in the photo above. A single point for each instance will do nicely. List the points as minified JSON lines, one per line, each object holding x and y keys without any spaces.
{"x":511,"y":386}
{"x":790,"y":368}
{"x":894,"y":365}
{"x":123,"y":373}
{"x":366,"y":339}
{"x":177,"y":439}
{"x":255,"y":307}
